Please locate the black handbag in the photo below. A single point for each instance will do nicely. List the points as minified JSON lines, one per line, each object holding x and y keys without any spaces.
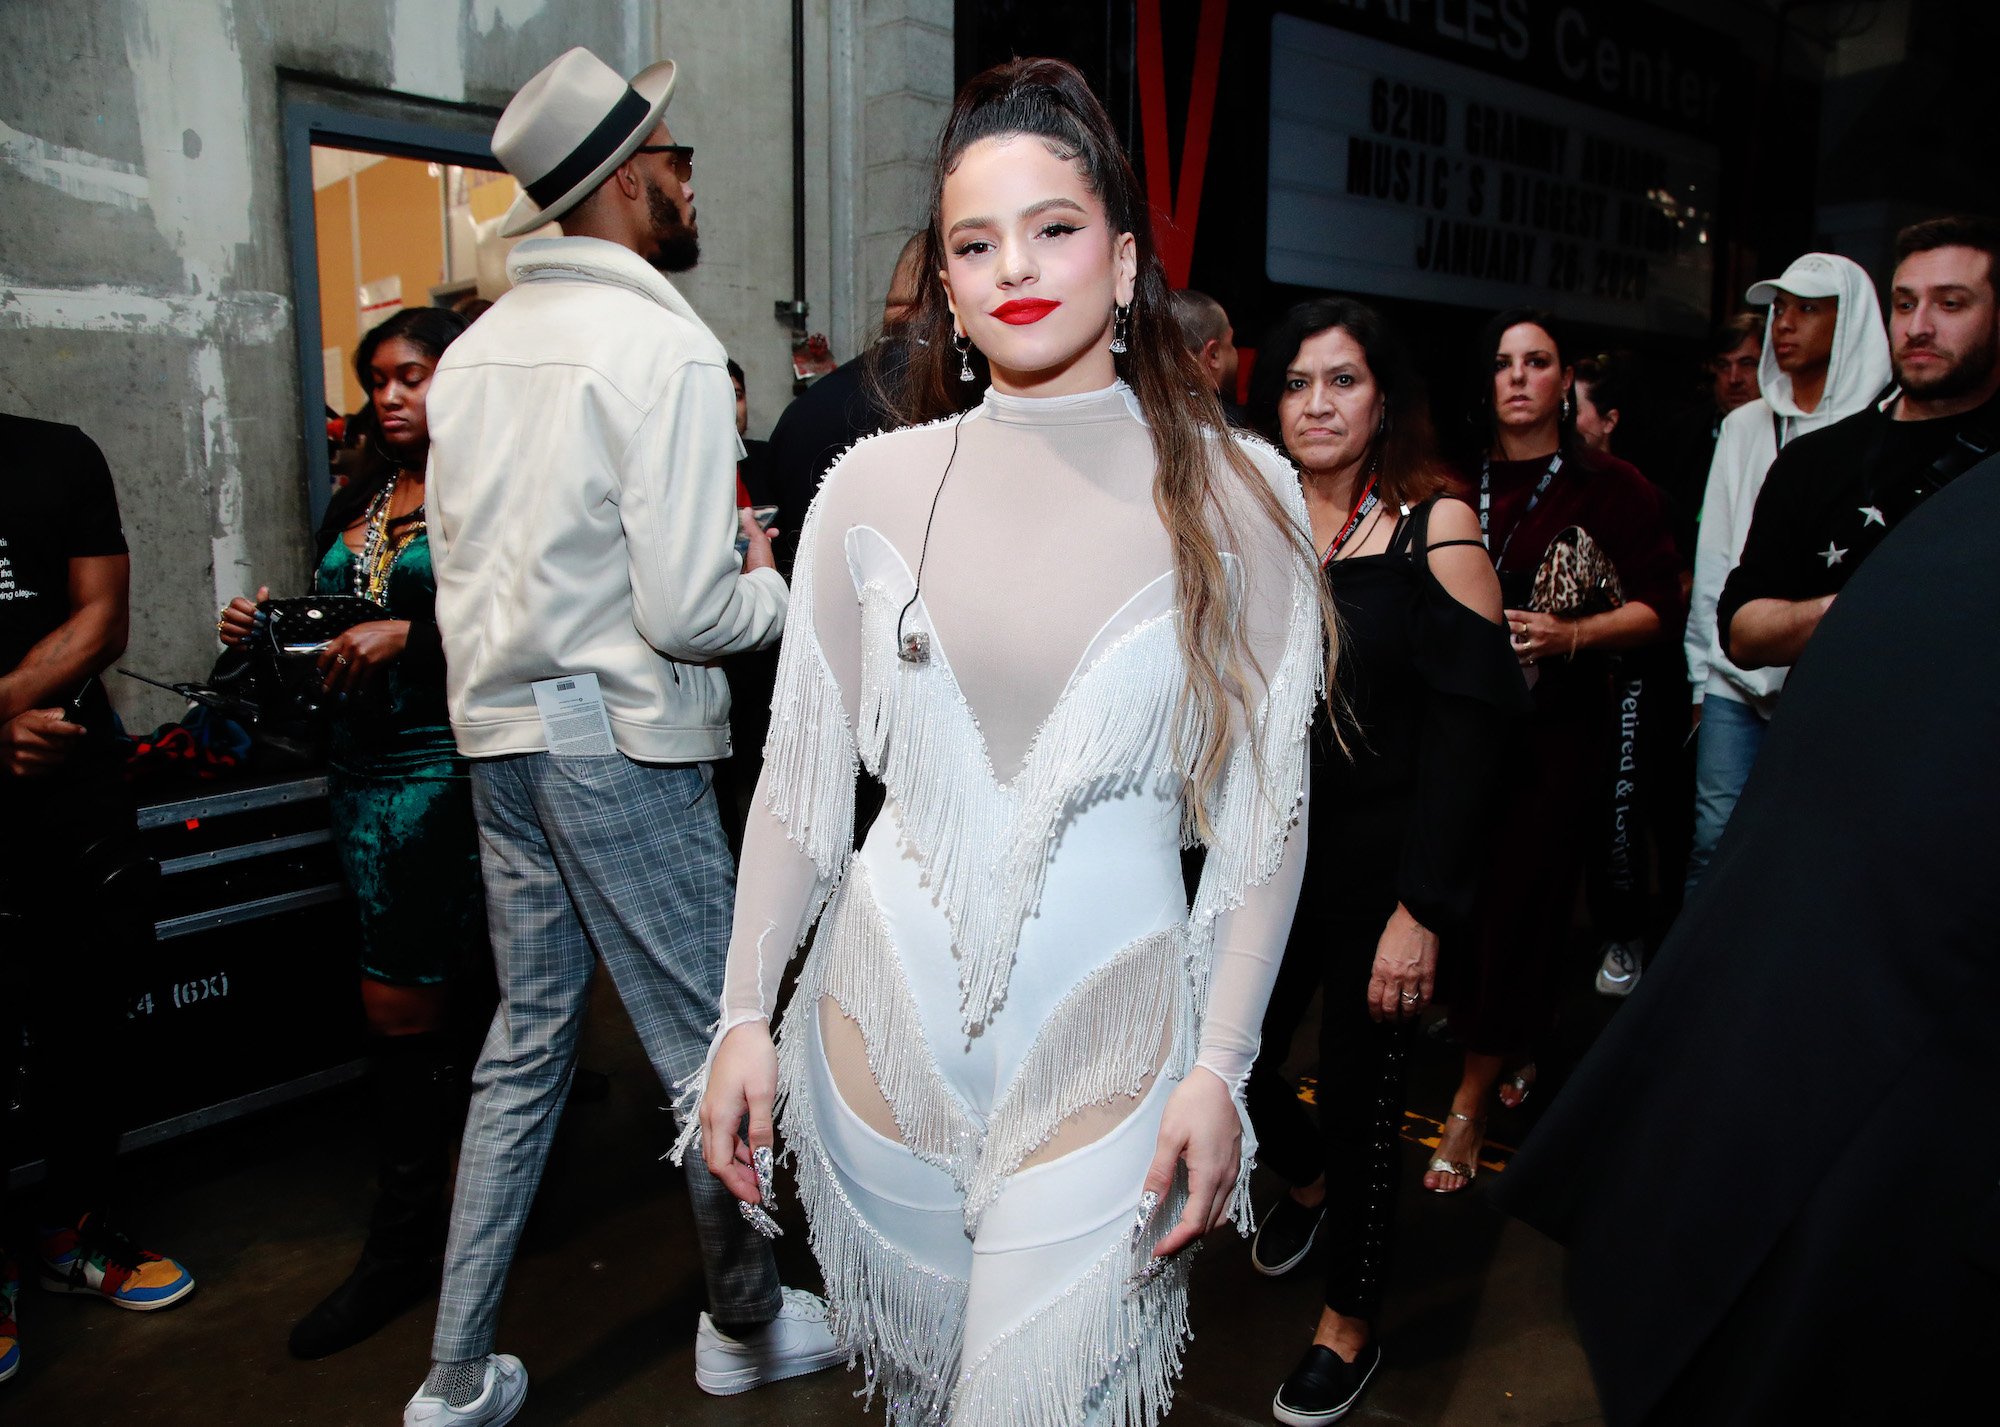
{"x":285,"y":650}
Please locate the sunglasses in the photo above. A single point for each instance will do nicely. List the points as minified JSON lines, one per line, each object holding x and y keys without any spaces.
{"x":683,"y":157}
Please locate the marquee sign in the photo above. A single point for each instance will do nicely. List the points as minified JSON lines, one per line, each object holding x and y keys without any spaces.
{"x":1401,"y":174}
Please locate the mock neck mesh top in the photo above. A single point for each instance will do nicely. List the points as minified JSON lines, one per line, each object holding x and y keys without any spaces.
{"x":1007,"y":982}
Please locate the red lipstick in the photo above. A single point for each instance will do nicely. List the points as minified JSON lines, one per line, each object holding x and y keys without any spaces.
{"x":1020,"y":311}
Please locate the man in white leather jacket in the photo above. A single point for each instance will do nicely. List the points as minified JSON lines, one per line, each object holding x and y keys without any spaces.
{"x":583,"y":521}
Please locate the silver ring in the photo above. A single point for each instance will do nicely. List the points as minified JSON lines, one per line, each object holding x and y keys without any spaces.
{"x":340,"y":658}
{"x":1411,"y":996}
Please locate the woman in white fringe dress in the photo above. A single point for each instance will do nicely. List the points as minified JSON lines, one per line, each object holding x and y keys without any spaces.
{"x":1053,"y":625}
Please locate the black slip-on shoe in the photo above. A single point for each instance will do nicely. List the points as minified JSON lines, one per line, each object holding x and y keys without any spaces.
{"x":1285,"y":1236}
{"x":1324,"y":1387}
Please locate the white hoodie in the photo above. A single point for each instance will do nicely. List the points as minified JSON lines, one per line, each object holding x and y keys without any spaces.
{"x":582,"y":496}
{"x":1856,"y":372}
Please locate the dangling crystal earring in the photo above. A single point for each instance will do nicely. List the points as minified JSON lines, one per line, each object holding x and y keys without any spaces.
{"x":963,"y":345}
{"x":1568,"y":408}
{"x":1121,"y":323}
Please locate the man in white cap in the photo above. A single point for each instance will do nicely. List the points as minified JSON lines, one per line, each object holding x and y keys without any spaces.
{"x":1830,"y":501}
{"x":1826,"y":356}
{"x":583,"y":523}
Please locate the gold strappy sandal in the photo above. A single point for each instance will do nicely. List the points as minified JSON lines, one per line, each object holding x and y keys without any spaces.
{"x":1466,"y":1170}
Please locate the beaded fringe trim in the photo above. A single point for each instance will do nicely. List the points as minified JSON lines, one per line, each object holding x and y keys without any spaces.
{"x":1106,"y":1346}
{"x":902,"y":1321}
{"x":810,"y":760}
{"x":1108,"y":1349}
{"x":984,"y":845}
{"x":686,"y":1103}
{"x":1101,"y":1041}
{"x":858,"y":966}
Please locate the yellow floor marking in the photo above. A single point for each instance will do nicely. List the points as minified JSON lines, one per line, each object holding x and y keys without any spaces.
{"x":1431,"y":1139}
{"x":1309,"y":1095}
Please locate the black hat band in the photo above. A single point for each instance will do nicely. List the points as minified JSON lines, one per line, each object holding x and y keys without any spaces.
{"x":600,"y":144}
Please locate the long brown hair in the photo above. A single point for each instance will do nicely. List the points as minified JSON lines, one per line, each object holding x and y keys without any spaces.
{"x":1048,"y":99}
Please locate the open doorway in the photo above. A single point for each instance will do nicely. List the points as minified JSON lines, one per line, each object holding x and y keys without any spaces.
{"x":394,"y":232}
{"x":387,"y":212}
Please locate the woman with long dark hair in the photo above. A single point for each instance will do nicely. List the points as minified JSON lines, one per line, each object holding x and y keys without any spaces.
{"x":401,"y":808}
{"x":1403,"y":768}
{"x":1585,"y":555}
{"x":1064,"y":626}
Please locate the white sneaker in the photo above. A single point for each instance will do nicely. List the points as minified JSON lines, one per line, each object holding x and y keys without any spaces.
{"x":1620,"y":971}
{"x":500,"y":1397}
{"x":798,"y":1341}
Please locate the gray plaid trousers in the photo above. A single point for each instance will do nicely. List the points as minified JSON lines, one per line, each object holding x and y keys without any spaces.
{"x":585,"y":858}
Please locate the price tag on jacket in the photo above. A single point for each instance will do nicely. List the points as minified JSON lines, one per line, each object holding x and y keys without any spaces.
{"x":574,"y":723}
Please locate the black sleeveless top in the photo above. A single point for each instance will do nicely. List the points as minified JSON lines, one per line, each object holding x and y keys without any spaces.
{"x":1427,"y":692}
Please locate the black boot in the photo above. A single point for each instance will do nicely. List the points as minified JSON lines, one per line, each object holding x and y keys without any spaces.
{"x":419,"y":1102}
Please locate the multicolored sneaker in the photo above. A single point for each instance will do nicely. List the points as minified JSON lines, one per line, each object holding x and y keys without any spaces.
{"x":10,"y":1335}
{"x":93,"y":1257}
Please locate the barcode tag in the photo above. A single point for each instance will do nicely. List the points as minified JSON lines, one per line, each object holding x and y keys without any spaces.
{"x":573,"y":719}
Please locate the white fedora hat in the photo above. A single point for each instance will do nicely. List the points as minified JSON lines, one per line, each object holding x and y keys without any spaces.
{"x":567,"y":128}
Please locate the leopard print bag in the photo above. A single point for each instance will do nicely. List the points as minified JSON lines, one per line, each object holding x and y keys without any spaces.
{"x":1576,"y":578}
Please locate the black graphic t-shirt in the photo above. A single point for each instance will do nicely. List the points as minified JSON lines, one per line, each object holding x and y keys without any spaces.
{"x":57,"y":504}
{"x":1833,"y":494}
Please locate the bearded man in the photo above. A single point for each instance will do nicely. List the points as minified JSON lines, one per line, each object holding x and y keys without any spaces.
{"x":583,"y":524}
{"x":1833,"y":495}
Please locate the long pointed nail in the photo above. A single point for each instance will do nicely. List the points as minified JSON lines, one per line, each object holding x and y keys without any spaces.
{"x":1148,"y":1202}
{"x":760,"y":1221}
{"x":762,"y":1161}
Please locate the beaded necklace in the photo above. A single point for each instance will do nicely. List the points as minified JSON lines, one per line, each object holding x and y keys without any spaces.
{"x":380,"y":548}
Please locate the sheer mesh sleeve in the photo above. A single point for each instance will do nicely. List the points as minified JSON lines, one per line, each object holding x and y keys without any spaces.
{"x":801,"y":827}
{"x":1256,"y":859}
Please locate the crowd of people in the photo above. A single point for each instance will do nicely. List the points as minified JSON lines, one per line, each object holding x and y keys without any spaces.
{"x":1054,"y":606}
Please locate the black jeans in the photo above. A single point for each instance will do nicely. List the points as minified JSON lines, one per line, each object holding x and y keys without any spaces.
{"x":78,"y":907}
{"x":1363,"y":1067}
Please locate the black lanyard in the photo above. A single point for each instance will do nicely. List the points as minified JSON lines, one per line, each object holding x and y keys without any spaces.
{"x":1486,"y":503}
{"x":1361,"y":511}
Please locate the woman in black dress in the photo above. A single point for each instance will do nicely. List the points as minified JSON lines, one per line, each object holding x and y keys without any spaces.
{"x":1399,"y":823}
{"x":1537,"y":482}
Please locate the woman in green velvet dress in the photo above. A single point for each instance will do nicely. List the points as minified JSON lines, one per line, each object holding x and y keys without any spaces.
{"x":401,"y":809}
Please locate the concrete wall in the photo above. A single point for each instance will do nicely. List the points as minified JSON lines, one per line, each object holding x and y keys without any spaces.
{"x":146,"y":289}
{"x":899,"y":54}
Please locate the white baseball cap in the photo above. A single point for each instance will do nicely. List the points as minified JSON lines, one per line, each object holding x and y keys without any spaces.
{"x":1810,"y":275}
